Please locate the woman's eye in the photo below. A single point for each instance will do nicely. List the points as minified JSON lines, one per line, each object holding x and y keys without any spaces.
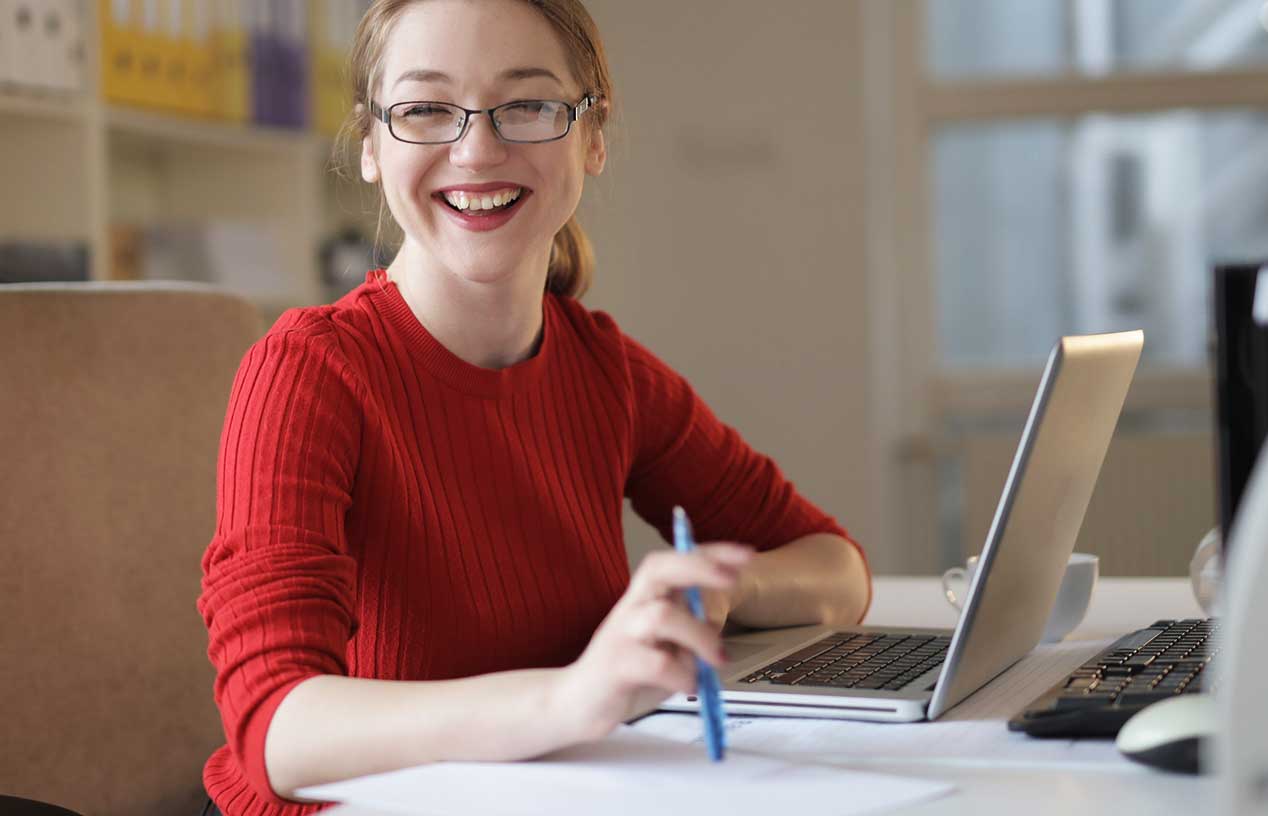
{"x":532,"y":106}
{"x":416,"y":111}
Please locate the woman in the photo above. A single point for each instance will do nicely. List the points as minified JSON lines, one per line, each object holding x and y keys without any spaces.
{"x":418,"y":553}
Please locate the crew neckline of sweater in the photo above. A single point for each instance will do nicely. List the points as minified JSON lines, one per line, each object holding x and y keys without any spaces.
{"x":448,"y":367}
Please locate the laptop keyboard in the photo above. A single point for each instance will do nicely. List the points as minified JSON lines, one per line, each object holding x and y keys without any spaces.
{"x":857,"y":661}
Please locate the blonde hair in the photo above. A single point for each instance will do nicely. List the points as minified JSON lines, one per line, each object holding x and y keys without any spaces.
{"x":571,"y":255}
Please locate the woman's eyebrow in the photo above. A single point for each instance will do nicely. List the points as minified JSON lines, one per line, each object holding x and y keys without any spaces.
{"x":425,"y":75}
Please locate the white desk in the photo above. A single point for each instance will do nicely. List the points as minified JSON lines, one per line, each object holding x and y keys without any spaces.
{"x":1118,"y":606}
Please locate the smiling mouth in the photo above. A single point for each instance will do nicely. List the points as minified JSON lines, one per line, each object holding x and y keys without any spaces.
{"x":482,"y":204}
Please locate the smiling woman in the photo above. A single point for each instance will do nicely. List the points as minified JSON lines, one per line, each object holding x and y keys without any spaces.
{"x":576,"y":58}
{"x":418,"y":553}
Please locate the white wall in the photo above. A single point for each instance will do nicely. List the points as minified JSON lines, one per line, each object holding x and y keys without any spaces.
{"x":729,"y":228}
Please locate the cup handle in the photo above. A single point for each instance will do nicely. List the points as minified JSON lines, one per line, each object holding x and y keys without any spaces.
{"x":953,"y":574}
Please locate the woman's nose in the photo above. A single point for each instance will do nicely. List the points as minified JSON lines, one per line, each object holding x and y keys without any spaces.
{"x":479,"y":146}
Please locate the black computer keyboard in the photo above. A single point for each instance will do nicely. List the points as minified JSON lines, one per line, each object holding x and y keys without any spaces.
{"x":1165,"y":659}
{"x":855,"y":660}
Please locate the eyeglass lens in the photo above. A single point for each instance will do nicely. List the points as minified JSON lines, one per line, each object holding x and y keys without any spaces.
{"x":527,"y":121}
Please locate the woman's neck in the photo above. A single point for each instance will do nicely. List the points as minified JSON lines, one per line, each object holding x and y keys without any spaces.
{"x":487,"y":324}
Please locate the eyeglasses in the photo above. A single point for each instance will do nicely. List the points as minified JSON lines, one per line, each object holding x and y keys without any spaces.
{"x":526,"y":121}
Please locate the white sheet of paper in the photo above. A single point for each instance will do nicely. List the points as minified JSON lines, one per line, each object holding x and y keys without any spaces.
{"x":631,"y":774}
{"x":974,"y":732}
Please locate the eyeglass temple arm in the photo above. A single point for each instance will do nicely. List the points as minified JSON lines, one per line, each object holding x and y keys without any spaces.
{"x":583,"y":106}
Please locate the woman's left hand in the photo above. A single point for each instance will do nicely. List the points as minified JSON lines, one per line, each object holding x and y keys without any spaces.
{"x":717,"y":605}
{"x":720,"y":603}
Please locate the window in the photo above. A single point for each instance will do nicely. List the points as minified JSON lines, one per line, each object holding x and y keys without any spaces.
{"x":983,"y":38}
{"x":1057,"y":166}
{"x":1044,"y":227}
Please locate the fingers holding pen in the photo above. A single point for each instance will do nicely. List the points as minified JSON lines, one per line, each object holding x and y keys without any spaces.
{"x":646,"y":647}
{"x":667,"y":623}
{"x":667,"y":669}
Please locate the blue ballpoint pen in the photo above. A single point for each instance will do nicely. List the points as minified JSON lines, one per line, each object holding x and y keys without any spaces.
{"x":708,"y":688}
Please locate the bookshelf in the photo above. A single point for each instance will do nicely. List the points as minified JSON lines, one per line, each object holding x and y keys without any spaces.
{"x":73,"y":167}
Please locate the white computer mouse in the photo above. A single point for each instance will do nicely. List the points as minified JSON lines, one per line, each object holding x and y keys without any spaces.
{"x":1169,"y":734}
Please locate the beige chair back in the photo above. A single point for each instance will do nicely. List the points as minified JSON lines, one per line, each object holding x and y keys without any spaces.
{"x":112,"y":397}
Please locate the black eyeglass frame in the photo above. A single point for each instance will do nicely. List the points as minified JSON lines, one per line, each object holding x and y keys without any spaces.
{"x":384,"y":115}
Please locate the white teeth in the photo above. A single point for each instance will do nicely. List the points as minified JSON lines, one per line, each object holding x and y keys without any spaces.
{"x":483,"y":202}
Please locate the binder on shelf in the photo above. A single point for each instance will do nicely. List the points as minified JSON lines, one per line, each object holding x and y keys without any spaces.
{"x":52,"y":67}
{"x":76,"y":55}
{"x":120,"y":50}
{"x":26,"y":58}
{"x":333,"y":25}
{"x":6,"y":43}
{"x":185,"y":46}
{"x":279,"y":64}
{"x":174,"y":52}
{"x":263,"y":59}
{"x":48,"y":32}
{"x":231,"y":84}
{"x":173,"y":49}
{"x":293,"y":86}
{"x":200,"y":84}
{"x":62,"y":45}
{"x":187,"y":58}
{"x":151,"y":41}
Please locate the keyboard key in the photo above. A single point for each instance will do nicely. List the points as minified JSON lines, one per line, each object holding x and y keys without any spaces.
{"x":813,"y":650}
{"x":1144,"y":697}
{"x":1119,"y":671}
{"x":1082,"y":701}
{"x":1138,"y":639}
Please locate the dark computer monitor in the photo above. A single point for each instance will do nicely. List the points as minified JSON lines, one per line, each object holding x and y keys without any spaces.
{"x":1241,"y":378}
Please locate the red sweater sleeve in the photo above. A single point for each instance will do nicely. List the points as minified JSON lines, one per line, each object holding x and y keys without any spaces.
{"x":683,"y":454}
{"x":278,"y":582}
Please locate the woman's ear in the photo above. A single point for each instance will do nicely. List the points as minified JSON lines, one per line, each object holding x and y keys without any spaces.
{"x":596,"y":153}
{"x":369,"y":164}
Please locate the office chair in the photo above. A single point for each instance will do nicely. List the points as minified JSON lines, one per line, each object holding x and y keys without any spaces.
{"x":112,"y":397}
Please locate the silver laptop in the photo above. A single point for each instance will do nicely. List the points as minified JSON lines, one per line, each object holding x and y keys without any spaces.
{"x":906,"y":675}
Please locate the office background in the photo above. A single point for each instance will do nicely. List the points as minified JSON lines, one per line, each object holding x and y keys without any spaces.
{"x":857,"y":226}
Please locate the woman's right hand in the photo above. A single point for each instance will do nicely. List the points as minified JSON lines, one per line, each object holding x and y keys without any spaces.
{"x":645,"y":649}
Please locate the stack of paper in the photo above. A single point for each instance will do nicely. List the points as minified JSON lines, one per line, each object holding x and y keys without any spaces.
{"x":631,"y":774}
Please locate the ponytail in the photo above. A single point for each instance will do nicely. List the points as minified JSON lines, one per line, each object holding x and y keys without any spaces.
{"x":571,"y":262}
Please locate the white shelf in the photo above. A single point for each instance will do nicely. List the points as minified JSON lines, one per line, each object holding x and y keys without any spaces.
{"x":155,"y":125}
{"x":46,"y":105}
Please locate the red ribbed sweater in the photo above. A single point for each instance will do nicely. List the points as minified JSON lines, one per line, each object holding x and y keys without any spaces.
{"x":387,"y":510}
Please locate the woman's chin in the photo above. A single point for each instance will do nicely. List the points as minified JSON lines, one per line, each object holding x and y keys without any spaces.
{"x":491,"y":269}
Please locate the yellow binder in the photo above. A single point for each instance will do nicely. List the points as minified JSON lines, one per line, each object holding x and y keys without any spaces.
{"x":151,"y":39}
{"x":231,"y":85}
{"x":326,"y":50}
{"x":197,"y":90}
{"x":120,"y":50}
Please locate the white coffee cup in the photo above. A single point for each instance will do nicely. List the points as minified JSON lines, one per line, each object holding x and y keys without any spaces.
{"x":1068,"y":610}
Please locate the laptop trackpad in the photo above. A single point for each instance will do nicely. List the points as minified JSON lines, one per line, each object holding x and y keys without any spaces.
{"x":738,"y":650}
